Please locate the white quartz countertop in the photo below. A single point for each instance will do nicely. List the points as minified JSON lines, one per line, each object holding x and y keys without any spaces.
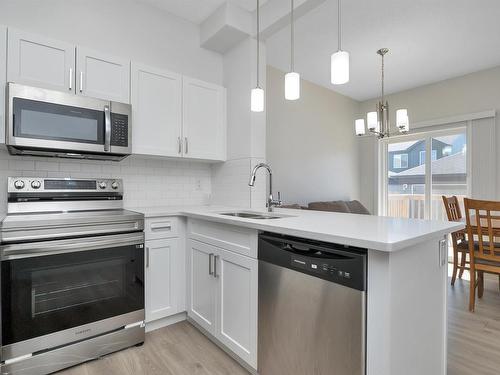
{"x":367,"y":231}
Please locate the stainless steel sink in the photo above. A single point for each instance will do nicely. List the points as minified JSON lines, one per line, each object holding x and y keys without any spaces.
{"x":251,"y":215}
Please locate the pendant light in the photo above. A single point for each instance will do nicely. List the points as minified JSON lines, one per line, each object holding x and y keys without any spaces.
{"x":292,"y":79}
{"x":340,"y":59}
{"x":257,"y":94}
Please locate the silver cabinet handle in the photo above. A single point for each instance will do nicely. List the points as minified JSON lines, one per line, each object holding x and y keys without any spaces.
{"x":210,"y":259}
{"x":215,"y":266}
{"x":159,"y":226}
{"x":179,"y":142}
{"x":81,"y":81}
{"x":147,"y":257}
{"x":186,"y":142}
{"x":107,"y":128}
{"x":443,"y":253}
{"x":70,"y":79}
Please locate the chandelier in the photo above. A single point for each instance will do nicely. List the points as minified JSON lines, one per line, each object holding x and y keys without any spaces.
{"x":378,"y":121}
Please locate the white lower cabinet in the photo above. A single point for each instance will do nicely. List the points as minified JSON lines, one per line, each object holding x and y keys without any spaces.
{"x":202,"y":285}
{"x":165,"y":275}
{"x":237,"y":304}
{"x":223,"y":297}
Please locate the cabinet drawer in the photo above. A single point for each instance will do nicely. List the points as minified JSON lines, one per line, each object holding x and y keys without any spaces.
{"x":163,"y":227}
{"x":230,"y":237}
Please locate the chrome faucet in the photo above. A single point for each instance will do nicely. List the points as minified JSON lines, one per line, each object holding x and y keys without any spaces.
{"x":271,"y":202}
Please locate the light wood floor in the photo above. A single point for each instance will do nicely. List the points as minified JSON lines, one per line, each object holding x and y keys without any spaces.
{"x":179,"y":349}
{"x":473,"y":346}
{"x":474,"y":338}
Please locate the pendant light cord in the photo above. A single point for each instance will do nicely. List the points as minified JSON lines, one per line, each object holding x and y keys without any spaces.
{"x":339,"y":22}
{"x":292,"y":40}
{"x":258,"y":43}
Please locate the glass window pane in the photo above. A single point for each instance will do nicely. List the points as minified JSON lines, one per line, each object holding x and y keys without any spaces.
{"x":449,"y":172}
{"x":406,"y":180}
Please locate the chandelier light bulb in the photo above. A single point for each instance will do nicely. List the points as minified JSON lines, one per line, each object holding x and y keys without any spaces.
{"x":360,"y":126}
{"x":402,"y":121}
{"x":372,"y":121}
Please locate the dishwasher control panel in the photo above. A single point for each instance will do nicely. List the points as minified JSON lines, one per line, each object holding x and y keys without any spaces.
{"x":323,"y":267}
{"x":332,"y":262}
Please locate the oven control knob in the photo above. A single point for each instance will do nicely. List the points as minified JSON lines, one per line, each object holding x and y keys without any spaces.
{"x":114,"y":185}
{"x":19,"y":184}
{"x":102,"y":185}
{"x":36,"y":184}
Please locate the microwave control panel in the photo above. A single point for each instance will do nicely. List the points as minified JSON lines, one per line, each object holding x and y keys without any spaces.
{"x":119,"y":130}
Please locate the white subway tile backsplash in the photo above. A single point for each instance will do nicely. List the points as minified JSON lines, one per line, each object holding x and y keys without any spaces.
{"x":147,"y":182}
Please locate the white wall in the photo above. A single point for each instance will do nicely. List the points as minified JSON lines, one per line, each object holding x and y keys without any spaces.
{"x":124,"y":28}
{"x":311,"y":145}
{"x":471,"y":93}
{"x":246,"y":135}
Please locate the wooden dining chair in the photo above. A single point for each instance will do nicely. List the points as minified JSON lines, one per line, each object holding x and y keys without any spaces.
{"x":483,"y":220}
{"x":458,"y":239}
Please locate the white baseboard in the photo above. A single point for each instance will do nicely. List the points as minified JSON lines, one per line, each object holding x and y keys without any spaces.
{"x":160,"y":323}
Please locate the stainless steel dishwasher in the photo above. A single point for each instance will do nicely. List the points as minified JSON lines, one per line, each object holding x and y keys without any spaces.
{"x":312,"y":307}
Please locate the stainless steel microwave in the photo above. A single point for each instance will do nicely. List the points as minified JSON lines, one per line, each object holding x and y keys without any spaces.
{"x":43,"y":122}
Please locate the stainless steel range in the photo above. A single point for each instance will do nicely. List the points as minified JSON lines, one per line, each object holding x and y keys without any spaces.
{"x":72,"y":274}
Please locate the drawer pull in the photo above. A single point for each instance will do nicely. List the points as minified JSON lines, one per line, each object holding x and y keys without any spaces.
{"x":159,"y":226}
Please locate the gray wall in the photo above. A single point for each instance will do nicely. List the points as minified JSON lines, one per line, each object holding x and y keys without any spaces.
{"x":311,"y":145}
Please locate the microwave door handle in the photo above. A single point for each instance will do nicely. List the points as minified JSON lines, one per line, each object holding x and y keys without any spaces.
{"x":107,"y":128}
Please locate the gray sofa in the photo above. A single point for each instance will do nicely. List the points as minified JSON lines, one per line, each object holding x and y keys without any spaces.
{"x":353,"y":207}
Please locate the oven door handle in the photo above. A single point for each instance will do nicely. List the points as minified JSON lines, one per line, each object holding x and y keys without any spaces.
{"x":42,"y":248}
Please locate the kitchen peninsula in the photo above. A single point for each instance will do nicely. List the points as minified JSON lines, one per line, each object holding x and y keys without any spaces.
{"x":406,"y":276}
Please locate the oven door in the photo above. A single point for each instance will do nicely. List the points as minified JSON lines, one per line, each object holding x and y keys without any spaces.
{"x":57,"y":292}
{"x":46,"y":119}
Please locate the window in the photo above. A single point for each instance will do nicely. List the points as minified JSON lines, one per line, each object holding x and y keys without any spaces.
{"x":400,"y":161}
{"x":422,"y":156}
{"x":415,"y":191}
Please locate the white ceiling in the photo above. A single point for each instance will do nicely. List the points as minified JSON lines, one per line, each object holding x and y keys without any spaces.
{"x":197,"y":11}
{"x":429,"y":41}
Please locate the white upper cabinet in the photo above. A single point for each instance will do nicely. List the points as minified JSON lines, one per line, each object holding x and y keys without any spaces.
{"x":102,"y":76}
{"x":38,"y":61}
{"x":157,"y":111}
{"x":204,"y":120}
{"x":173,"y":115}
{"x":3,"y":76}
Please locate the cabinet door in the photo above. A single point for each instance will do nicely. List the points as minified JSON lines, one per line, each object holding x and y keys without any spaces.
{"x":3,"y":76}
{"x":164,"y":278}
{"x":237,"y":304}
{"x":202,"y":285}
{"x":37,"y":61}
{"x":204,"y":120}
{"x":102,"y":76}
{"x":157,"y":111}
